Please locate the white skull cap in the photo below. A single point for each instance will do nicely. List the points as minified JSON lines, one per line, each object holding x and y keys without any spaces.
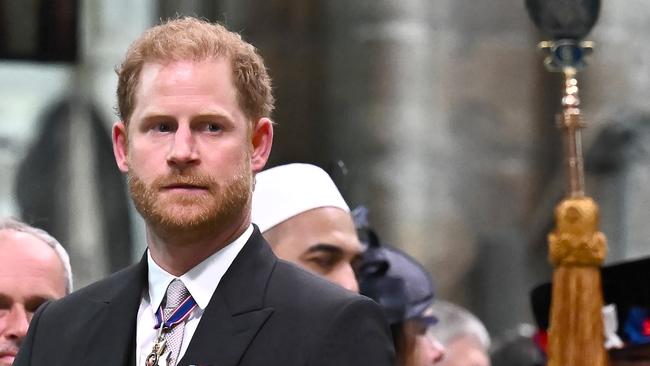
{"x":288,"y":190}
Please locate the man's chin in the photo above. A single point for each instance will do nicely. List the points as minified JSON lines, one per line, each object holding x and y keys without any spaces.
{"x":180,"y":221}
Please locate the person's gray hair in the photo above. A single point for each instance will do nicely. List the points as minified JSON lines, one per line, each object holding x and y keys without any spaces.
{"x":8,"y":223}
{"x":454,"y":322}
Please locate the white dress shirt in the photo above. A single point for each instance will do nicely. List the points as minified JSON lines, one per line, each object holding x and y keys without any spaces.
{"x":201,"y":281}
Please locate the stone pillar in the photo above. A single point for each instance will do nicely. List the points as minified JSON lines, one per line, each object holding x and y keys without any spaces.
{"x":434,"y":106}
{"x":389,"y":120}
{"x":107,"y":29}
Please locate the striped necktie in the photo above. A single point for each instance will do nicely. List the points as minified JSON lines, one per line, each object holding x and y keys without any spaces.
{"x":176,"y":294}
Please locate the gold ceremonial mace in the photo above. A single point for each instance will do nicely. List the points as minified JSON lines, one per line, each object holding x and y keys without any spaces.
{"x":576,"y":247}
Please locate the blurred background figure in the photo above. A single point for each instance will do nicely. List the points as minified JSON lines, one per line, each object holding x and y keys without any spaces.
{"x":301,"y":213}
{"x":463,"y":335}
{"x":517,"y":347}
{"x":404,"y":289}
{"x":626,"y":313}
{"x":34,"y":268}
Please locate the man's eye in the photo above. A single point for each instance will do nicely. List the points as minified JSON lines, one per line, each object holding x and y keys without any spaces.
{"x":32,"y":306}
{"x":324,"y":262}
{"x":213,"y":127}
{"x":162,"y":127}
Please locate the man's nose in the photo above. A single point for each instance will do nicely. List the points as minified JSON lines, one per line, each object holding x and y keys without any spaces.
{"x":183,"y":151}
{"x":16,"y":323}
{"x":345,"y":277}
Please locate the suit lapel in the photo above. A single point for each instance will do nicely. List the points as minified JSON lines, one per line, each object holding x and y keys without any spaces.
{"x":236,"y":310}
{"x":116,"y":323}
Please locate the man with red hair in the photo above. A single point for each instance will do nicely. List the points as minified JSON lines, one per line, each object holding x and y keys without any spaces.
{"x":194,"y":101}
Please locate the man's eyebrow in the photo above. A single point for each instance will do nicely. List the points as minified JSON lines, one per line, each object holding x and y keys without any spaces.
{"x":33,"y":302}
{"x":324,"y":247}
{"x":155,"y":114}
{"x":5,"y":300}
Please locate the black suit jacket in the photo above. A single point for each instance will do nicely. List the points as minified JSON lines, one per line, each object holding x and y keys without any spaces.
{"x":264,"y":312}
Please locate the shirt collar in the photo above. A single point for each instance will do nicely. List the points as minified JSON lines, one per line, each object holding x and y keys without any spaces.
{"x":202,"y":280}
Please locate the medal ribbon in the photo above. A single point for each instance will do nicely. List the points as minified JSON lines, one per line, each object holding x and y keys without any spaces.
{"x":180,"y":314}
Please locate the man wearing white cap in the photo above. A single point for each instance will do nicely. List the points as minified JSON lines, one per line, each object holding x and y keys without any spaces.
{"x":302,"y":214}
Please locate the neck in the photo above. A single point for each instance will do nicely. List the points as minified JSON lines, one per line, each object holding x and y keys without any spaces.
{"x":178,"y":252}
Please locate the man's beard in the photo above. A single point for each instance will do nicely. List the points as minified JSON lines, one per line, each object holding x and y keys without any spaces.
{"x":216,"y":209}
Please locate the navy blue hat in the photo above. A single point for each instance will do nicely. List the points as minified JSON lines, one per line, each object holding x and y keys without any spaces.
{"x":626,"y":286}
{"x":401,"y":285}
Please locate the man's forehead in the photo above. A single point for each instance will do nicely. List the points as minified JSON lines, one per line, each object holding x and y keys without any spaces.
{"x":6,"y":234}
{"x":24,"y":251}
{"x":12,"y":237}
{"x":330,"y":225}
{"x":29,"y":268}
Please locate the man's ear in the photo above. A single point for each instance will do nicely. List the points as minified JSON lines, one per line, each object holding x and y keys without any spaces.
{"x":120,"y":146}
{"x":261,"y":140}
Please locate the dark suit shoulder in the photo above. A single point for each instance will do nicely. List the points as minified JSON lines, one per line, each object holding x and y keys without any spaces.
{"x":106,"y":289}
{"x":100,"y":293}
{"x":357,"y":334}
{"x":297,"y":285}
{"x":325,"y":323}
{"x":306,"y":298}
{"x":73,"y":329}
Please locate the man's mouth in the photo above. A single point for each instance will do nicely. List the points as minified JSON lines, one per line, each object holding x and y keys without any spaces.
{"x":187,"y":184}
{"x":7,"y":357}
{"x":183,"y":186}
